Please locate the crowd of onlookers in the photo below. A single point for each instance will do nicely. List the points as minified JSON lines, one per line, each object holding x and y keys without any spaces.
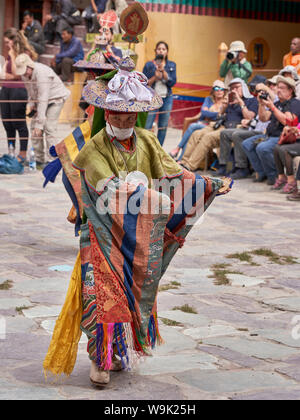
{"x":249,"y":124}
{"x":246,"y":125}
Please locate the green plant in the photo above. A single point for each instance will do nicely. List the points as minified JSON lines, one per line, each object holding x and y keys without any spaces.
{"x":185,"y":308}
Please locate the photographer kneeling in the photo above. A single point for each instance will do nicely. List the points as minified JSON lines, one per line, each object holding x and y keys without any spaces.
{"x":261,"y":156}
{"x":235,"y":65}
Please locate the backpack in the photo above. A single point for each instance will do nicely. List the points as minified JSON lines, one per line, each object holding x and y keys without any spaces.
{"x":10,"y":165}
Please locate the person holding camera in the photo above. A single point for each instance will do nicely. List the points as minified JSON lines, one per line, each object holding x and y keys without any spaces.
{"x":249,"y":127}
{"x":161,"y":74}
{"x":235,"y":64}
{"x":211,"y":107}
{"x":286,"y":108}
{"x":47,"y":95}
{"x":230,"y":116}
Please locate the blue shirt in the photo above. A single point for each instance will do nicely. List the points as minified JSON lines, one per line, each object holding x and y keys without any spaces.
{"x":205,"y":114}
{"x":170,"y":68}
{"x":73,"y":49}
{"x":234,"y":112}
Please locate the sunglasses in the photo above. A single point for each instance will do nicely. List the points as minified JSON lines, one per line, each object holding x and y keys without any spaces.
{"x":216,"y":88}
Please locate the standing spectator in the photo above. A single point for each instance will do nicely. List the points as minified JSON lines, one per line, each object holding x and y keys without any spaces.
{"x":211,"y":107}
{"x":47,"y":95}
{"x":161,"y":75}
{"x":34,"y":32}
{"x":90,"y":14}
{"x":261,"y":156}
{"x":235,"y":64}
{"x":118,"y":6}
{"x":64,"y":14}
{"x":13,"y":94}
{"x":293,"y":57}
{"x":71,"y":51}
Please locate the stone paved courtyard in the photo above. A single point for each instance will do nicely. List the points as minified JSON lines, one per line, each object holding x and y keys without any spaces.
{"x":233,"y":335}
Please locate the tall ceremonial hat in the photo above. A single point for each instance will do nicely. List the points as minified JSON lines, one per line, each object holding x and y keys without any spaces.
{"x":128,"y":90}
{"x":98,"y":59}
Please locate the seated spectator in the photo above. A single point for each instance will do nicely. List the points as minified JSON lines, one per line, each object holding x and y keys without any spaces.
{"x":33,"y":31}
{"x":242,"y":105}
{"x":293,"y":57}
{"x":211,"y":107}
{"x":235,"y":64}
{"x":90,"y":14}
{"x":290,"y":71}
{"x":284,"y":154}
{"x":250,"y":127}
{"x":261,"y":156}
{"x":64,"y":14}
{"x":296,"y":195}
{"x":47,"y":95}
{"x":71,"y":51}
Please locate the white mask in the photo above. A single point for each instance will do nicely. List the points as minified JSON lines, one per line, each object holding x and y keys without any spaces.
{"x":119,"y":133}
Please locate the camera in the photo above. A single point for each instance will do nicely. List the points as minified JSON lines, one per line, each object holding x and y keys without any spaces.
{"x":220,"y":121}
{"x":159,"y":57}
{"x":263,"y":95}
{"x":253,"y":124}
{"x":232,"y":55}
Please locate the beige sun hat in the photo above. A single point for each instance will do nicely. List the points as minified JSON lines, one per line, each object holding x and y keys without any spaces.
{"x":22,"y":62}
{"x":237,"y":46}
{"x":288,"y":81}
{"x":273,"y":80}
{"x":219,"y":83}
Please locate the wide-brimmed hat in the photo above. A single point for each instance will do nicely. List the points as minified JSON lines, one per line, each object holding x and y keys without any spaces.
{"x":290,"y":69}
{"x":273,"y":80}
{"x":219,"y":83}
{"x":237,"y":46}
{"x":22,"y":62}
{"x":127,"y":91}
{"x":246,"y":92}
{"x":96,"y":58}
{"x":288,"y":81}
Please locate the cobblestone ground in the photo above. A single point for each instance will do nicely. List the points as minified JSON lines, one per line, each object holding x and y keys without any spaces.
{"x":239,"y":339}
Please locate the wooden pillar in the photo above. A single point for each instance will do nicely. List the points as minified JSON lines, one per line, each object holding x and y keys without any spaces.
{"x":46,"y":10}
{"x":9,"y":19}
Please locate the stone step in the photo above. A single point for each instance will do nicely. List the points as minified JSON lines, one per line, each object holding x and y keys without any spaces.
{"x":46,"y":58}
{"x":52,"y":49}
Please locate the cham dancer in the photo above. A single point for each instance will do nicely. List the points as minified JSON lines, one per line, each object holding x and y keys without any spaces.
{"x":138,"y":207}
